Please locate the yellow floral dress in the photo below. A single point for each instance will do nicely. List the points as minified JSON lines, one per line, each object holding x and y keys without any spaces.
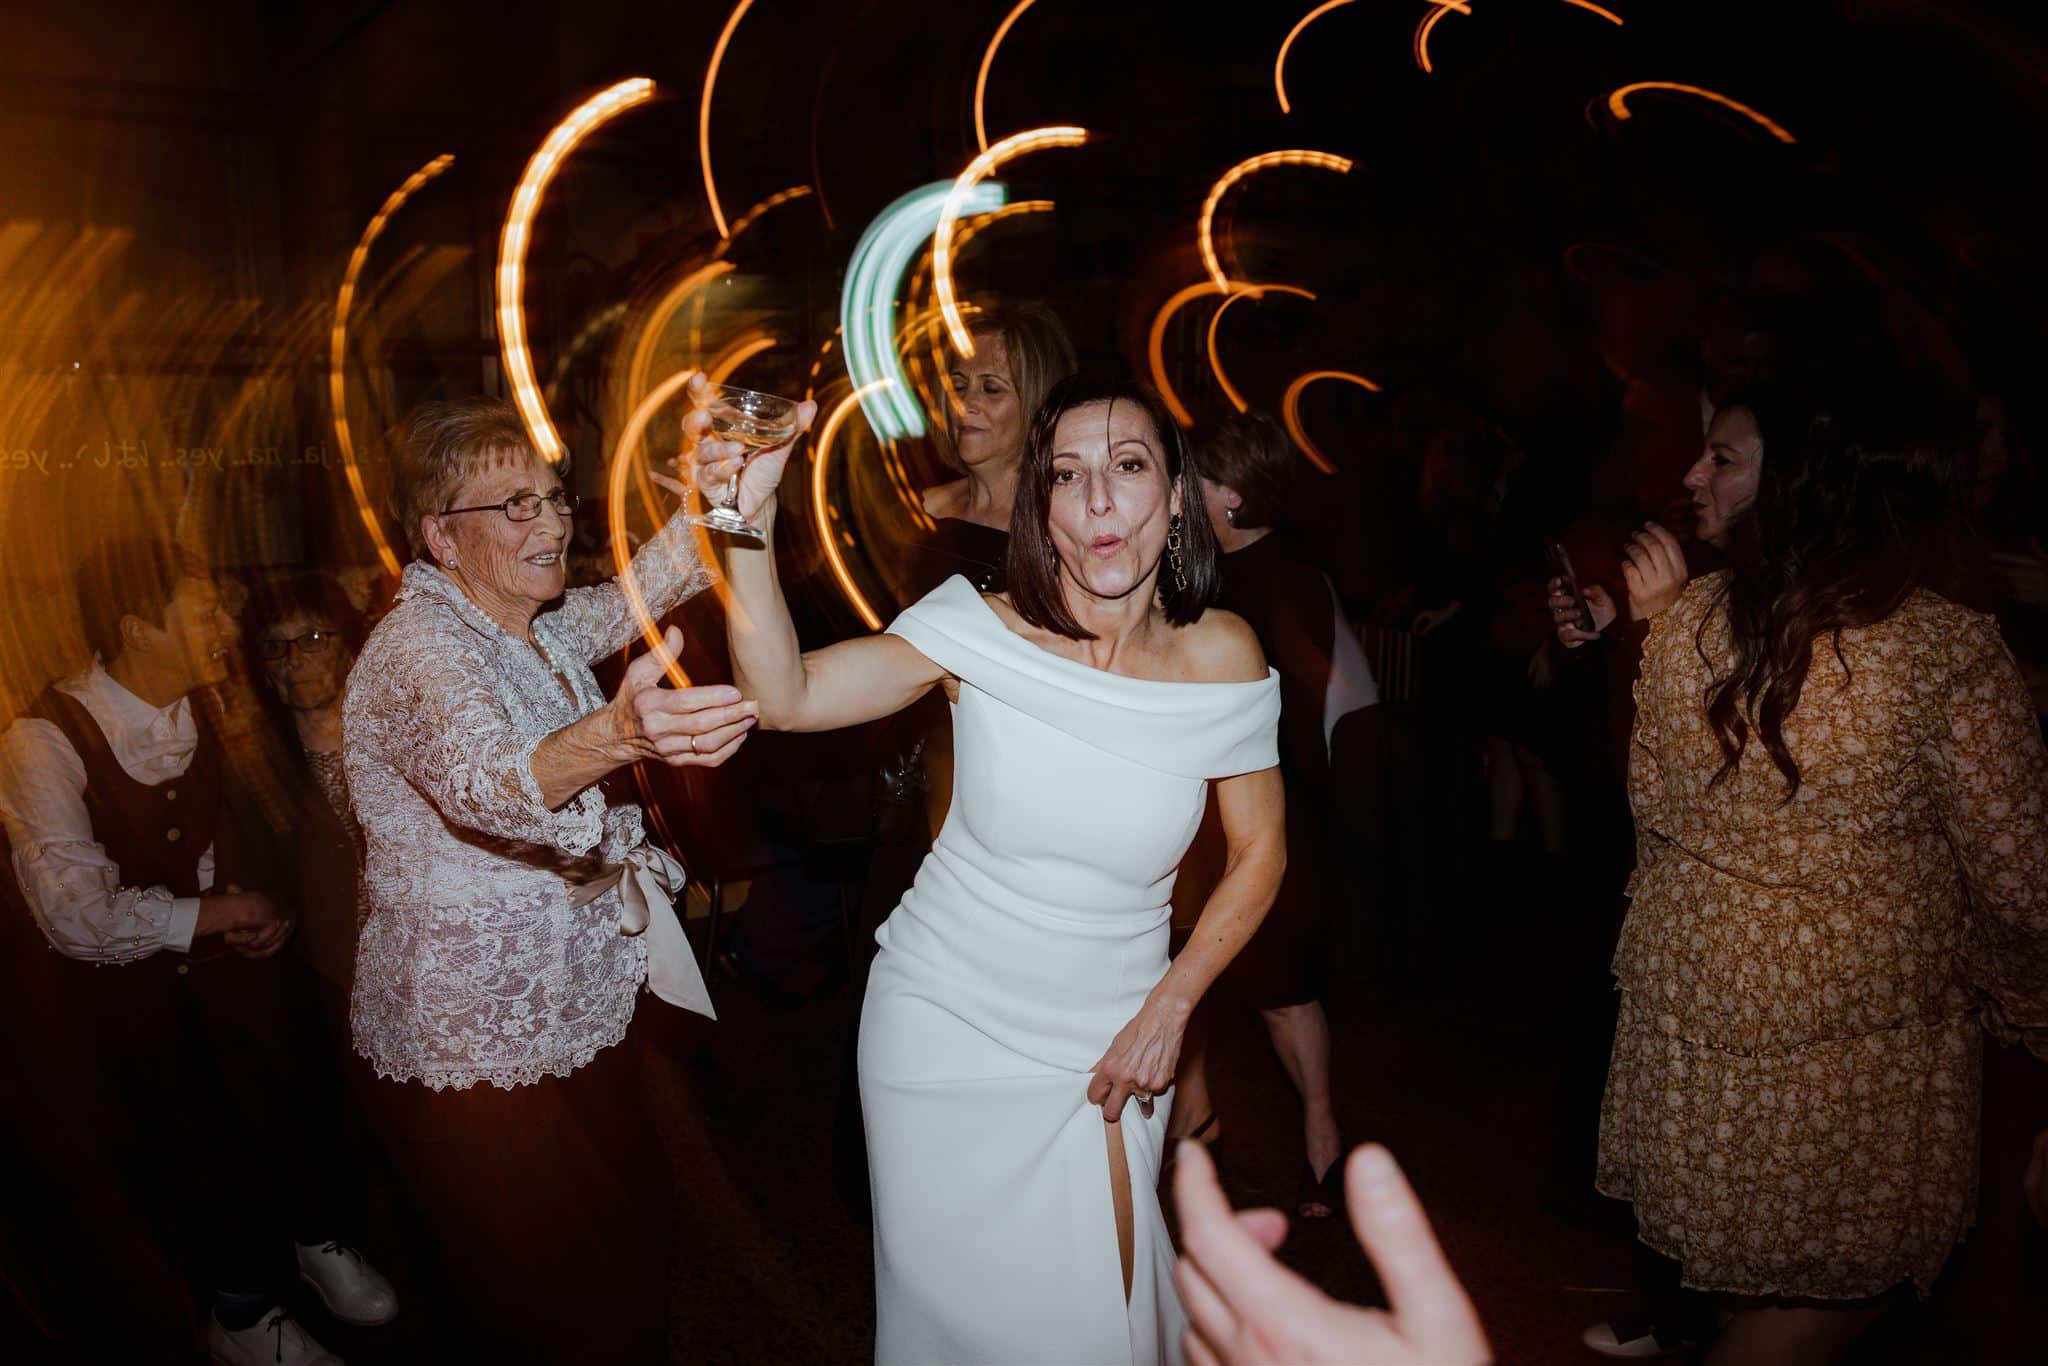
{"x":1792,"y":1102}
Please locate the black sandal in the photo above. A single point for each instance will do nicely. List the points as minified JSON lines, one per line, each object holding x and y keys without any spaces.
{"x":1173,"y":1147}
{"x":1328,"y":1192}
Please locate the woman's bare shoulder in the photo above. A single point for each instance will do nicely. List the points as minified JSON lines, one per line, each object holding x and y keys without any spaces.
{"x":943,"y":500}
{"x":1221,"y":647}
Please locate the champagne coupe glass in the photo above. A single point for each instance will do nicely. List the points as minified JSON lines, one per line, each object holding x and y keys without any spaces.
{"x":756,"y":421}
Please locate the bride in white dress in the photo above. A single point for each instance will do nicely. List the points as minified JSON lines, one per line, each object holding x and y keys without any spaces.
{"x":1022,"y":1019}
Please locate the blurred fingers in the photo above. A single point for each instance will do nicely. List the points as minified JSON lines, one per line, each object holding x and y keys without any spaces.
{"x":1423,"y":1293}
{"x":1197,"y":1351}
{"x":1209,"y":1316}
{"x":1267,"y":1227}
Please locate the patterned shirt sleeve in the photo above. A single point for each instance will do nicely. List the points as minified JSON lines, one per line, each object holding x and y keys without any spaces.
{"x":669,"y":570}
{"x":439,"y":721}
{"x":1991,"y":788}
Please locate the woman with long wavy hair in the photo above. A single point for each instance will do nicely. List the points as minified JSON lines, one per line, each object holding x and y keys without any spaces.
{"x":1841,"y":804}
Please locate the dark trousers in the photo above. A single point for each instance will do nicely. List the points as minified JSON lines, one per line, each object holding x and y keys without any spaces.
{"x":235,"y":1105}
{"x":182,"y":1125}
{"x":551,"y":1212}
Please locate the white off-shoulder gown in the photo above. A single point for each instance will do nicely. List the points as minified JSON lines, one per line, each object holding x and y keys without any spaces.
{"x":1033,"y":933}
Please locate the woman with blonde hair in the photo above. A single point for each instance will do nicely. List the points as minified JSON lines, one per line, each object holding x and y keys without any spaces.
{"x":1020,"y":352}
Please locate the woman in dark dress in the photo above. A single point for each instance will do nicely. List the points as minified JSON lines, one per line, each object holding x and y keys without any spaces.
{"x":1247,"y":466}
{"x":1019,"y":354}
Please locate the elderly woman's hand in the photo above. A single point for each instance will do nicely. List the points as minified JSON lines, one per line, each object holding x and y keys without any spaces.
{"x":679,"y":726}
{"x":712,"y":465}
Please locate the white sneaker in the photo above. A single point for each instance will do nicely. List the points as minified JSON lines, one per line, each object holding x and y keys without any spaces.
{"x":275,"y":1338}
{"x":353,"y":1291}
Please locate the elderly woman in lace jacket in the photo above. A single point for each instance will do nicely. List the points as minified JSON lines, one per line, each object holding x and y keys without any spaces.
{"x":514,"y":910}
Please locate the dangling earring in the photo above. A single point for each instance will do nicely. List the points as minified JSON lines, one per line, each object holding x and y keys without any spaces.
{"x":1174,"y":557}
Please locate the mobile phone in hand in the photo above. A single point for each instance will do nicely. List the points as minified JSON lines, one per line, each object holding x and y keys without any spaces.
{"x":1561,"y":567}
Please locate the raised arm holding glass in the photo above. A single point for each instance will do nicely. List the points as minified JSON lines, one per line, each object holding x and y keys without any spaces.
{"x":1022,"y":1020}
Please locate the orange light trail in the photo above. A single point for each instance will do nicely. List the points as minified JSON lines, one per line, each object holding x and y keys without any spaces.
{"x":1215,"y":360}
{"x":987,"y":60}
{"x":623,"y":456}
{"x":588,"y":117}
{"x":739,"y":353}
{"x":1205,"y":227}
{"x":1280,"y":62}
{"x":1587,"y":5}
{"x":337,"y":352}
{"x":649,"y":339}
{"x":1617,"y":102}
{"x":1290,"y":411}
{"x":1155,"y":345}
{"x":732,"y":22}
{"x":660,"y":316}
{"x":1016,"y":145}
{"x":1430,"y":21}
{"x":820,"y":513}
{"x":746,"y":220}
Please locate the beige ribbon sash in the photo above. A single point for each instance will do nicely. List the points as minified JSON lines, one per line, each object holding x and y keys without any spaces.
{"x":647,"y":881}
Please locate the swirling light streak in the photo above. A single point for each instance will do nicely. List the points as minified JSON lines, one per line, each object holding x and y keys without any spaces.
{"x":1438,"y":9}
{"x":337,"y":353}
{"x":648,"y":341}
{"x":746,"y":220}
{"x":1587,"y":5}
{"x":1290,"y":411}
{"x":956,"y":203}
{"x":722,"y":366}
{"x":930,"y":321}
{"x":1618,"y":104}
{"x":1280,"y":62}
{"x":659,"y":317}
{"x":586,"y":337}
{"x":1155,"y":345}
{"x":987,"y":60}
{"x":586,"y":119}
{"x":821,"y":513}
{"x":1216,"y":360}
{"x":732,"y":22}
{"x":624,"y":457}
{"x":1205,"y":226}
{"x":867,"y":301}
{"x":1442,"y":7}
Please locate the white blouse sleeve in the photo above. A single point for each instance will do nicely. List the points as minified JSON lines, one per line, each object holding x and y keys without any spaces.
{"x":72,"y":888}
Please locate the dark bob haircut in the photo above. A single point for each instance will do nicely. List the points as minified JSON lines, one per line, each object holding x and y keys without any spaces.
{"x":1034,"y":565}
{"x":1251,"y":454}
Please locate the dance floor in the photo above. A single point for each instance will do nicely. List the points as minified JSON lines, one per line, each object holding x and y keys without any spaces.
{"x":1478,"y":1073}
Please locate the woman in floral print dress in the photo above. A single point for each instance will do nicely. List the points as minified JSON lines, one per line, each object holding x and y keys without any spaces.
{"x":1841,"y":800}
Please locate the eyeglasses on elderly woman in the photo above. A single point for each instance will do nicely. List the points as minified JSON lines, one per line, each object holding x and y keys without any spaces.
{"x":524,"y":507}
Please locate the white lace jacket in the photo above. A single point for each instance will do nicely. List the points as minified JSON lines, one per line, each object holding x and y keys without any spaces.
{"x":473,"y":966}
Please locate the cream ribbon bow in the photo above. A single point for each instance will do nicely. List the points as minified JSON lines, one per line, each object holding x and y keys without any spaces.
{"x":647,"y":880}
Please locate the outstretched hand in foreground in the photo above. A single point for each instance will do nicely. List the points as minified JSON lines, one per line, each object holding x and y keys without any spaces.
{"x":1245,"y":1307}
